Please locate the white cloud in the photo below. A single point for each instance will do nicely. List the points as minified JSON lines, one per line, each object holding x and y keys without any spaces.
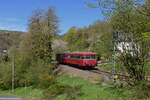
{"x":12,"y":24}
{"x":9,"y":20}
{"x":13,"y":27}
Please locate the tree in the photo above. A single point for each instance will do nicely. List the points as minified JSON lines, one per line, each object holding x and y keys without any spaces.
{"x":130,"y":21}
{"x":100,"y":34}
{"x":129,"y":18}
{"x":95,"y":37}
{"x":36,"y":49}
{"x":42,"y":27}
{"x":70,"y":38}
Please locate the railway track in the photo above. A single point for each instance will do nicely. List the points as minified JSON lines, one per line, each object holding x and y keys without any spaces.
{"x":97,"y":72}
{"x":108,"y":73}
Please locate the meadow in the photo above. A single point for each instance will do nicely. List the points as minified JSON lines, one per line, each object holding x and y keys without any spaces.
{"x":87,"y":91}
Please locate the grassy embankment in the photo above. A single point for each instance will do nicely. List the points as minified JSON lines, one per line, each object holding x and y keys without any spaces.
{"x":89,"y":91}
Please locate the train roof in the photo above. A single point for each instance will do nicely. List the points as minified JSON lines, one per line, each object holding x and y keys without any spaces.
{"x":77,"y":53}
{"x":63,"y":53}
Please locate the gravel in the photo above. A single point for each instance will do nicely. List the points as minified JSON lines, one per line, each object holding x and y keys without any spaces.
{"x":5,"y":97}
{"x":85,"y":74}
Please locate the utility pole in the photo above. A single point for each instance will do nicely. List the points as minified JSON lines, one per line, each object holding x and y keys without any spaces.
{"x":114,"y":69}
{"x":13,"y":72}
{"x":115,"y":41}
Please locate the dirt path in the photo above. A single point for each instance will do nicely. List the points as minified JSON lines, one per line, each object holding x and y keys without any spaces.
{"x":85,"y":74}
{"x":5,"y":97}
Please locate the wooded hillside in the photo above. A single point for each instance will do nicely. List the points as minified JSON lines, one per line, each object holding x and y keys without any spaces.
{"x":9,"y":38}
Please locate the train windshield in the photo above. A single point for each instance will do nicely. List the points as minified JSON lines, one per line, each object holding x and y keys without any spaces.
{"x":93,"y":57}
{"x":88,"y":57}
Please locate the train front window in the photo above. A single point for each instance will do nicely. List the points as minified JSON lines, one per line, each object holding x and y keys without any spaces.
{"x":93,"y":57}
{"x":88,"y":57}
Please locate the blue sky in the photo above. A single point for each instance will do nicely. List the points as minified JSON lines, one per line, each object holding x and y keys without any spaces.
{"x":14,"y":14}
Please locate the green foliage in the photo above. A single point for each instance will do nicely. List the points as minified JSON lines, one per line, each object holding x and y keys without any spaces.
{"x":96,"y":37}
{"x":27,"y":72}
{"x":9,"y":39}
{"x":5,"y":75}
{"x":91,"y":91}
{"x":141,"y":91}
{"x":46,"y":80}
{"x":42,"y":27}
{"x":131,"y":21}
{"x":85,"y":91}
{"x":59,"y":89}
{"x":75,"y":39}
{"x":39,"y":74}
{"x":131,"y":18}
{"x":146,"y":34}
{"x":32,"y":58}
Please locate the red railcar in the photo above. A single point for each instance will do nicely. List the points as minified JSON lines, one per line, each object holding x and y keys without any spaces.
{"x":86,"y":59}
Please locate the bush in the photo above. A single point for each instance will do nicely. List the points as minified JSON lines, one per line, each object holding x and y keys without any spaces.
{"x":141,"y":91}
{"x":5,"y":76}
{"x":46,"y":80}
{"x":27,"y":72}
{"x":61,"y":89}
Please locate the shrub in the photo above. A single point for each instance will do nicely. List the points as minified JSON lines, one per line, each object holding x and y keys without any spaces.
{"x":5,"y":76}
{"x":27,"y":72}
{"x":46,"y":80}
{"x":61,"y":89}
{"x":141,"y":91}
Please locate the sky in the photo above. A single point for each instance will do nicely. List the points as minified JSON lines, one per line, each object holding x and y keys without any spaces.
{"x":14,"y":14}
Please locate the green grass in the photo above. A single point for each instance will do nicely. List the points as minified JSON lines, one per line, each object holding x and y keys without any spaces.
{"x":107,"y":67}
{"x":92,"y":91}
{"x":89,"y":91}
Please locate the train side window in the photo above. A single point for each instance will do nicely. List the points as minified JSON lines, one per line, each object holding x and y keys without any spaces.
{"x":93,"y":56}
{"x":69,"y":56}
{"x":75,"y":56}
{"x":88,"y":57}
{"x":72,"y":56}
{"x":83,"y":57}
{"x":78,"y":56}
{"x":65,"y":56}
